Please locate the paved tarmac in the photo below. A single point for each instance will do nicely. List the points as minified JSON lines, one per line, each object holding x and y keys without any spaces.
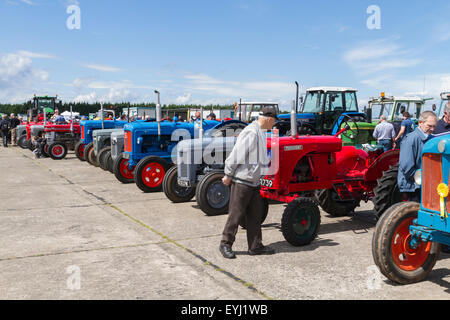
{"x":69,"y":230}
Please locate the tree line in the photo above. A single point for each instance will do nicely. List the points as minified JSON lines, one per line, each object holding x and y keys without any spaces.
{"x":86,"y":108}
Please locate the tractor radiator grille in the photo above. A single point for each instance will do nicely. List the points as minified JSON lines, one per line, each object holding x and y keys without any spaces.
{"x":127,"y":142}
{"x":432,"y":177}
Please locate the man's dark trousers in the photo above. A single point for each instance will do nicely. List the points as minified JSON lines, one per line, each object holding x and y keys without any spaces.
{"x":244,"y":201}
{"x":4,"y":138}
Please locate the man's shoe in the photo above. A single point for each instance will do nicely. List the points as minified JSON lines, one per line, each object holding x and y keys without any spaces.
{"x":227,"y":252}
{"x":261,"y":251}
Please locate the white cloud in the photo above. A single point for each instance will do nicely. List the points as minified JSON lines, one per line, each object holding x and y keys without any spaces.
{"x":379,"y":55}
{"x":35,"y":55}
{"x":183,"y":99}
{"x":103,"y":68}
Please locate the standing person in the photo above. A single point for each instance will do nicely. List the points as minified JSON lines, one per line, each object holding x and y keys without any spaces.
{"x":407,"y":126}
{"x":243,"y":174}
{"x":443,"y":125}
{"x":384,"y":133}
{"x":411,"y":155}
{"x":5,"y":125}
{"x":14,"y":123}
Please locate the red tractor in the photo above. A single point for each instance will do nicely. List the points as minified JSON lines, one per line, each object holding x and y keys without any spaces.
{"x":60,"y":139}
{"x":319,"y":167}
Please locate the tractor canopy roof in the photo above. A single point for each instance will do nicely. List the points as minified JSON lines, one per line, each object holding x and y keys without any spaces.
{"x":332,"y":89}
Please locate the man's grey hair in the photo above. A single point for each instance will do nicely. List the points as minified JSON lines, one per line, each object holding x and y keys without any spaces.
{"x":383,"y":117}
{"x":447,"y":107}
{"x":425,"y":115}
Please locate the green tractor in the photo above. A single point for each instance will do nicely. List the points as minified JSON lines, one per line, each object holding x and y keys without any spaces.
{"x":392,"y":107}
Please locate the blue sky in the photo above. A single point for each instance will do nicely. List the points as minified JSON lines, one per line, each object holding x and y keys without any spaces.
{"x":219,"y":51}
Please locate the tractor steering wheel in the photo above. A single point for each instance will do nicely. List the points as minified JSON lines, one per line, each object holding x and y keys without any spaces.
{"x":352,"y":124}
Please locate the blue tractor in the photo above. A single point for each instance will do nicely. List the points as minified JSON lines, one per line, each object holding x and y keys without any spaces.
{"x":323,"y":111}
{"x":408,"y":237}
{"x":85,"y":147}
{"x":150,"y":147}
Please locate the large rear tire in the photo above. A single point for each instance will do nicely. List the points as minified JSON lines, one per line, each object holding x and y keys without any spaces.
{"x":173,"y":191}
{"x":149,"y":174}
{"x":22,"y":142}
{"x":87,"y":149}
{"x":300,"y":222}
{"x":387,"y":193}
{"x":212,"y":195}
{"x":79,"y":151}
{"x":102,"y":157}
{"x":392,"y":250}
{"x":92,"y":158}
{"x":329,"y":201}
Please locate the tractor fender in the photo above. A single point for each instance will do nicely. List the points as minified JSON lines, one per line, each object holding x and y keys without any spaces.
{"x":349,"y":159}
{"x":381,"y":164}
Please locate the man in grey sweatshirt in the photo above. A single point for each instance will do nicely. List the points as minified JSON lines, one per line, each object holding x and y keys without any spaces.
{"x":244,"y":167}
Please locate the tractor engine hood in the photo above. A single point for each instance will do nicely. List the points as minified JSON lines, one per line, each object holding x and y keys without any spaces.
{"x":300,"y":116}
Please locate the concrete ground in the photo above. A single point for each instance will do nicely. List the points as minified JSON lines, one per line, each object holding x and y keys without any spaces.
{"x":69,"y":230}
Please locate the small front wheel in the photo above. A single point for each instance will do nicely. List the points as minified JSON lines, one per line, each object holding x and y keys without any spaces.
{"x":173,"y":191}
{"x":212,"y":195}
{"x":149,"y":173}
{"x":300,"y":222}
{"x":57,"y":151}
{"x":397,"y":255}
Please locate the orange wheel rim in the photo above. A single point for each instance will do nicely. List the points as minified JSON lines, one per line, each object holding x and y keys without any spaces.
{"x":405,"y":257}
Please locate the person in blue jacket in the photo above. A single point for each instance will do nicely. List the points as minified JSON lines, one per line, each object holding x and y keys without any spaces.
{"x":407,"y":126}
{"x":411,"y":155}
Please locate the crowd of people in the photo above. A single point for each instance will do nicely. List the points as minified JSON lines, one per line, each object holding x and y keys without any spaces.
{"x":7,"y":129}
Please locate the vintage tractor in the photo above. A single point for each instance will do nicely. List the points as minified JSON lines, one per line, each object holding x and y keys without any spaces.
{"x":199,"y":170}
{"x":324,"y":110}
{"x":301,"y":165}
{"x":387,"y":193}
{"x":102,"y":145}
{"x":86,"y":145}
{"x":407,"y":239}
{"x":38,"y":114}
{"x":60,"y":139}
{"x":117,"y":140}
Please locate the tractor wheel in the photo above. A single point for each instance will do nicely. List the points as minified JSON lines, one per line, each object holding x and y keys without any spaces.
{"x":391,"y":249}
{"x":87,"y":149}
{"x":22,"y":142}
{"x":57,"y":151}
{"x":30,"y":145}
{"x":45,"y":151}
{"x":300,"y":222}
{"x":109,"y":162}
{"x":173,"y":191}
{"x":102,"y":156}
{"x":386,"y":193}
{"x":330,"y":203}
{"x":212,"y":195}
{"x":92,"y":158}
{"x":122,"y":171}
{"x":149,"y":174}
{"x":79,"y":151}
{"x":265,"y":211}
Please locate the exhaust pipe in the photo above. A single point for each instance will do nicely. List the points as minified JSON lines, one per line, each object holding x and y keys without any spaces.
{"x":158,"y":112}
{"x":296,"y":97}
{"x":294,"y":128}
{"x":201,"y":123}
{"x":71,"y":120}
{"x":102,"y":115}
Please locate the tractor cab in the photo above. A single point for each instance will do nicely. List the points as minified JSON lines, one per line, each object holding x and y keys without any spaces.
{"x":394,"y":107}
{"x":324,"y":109}
{"x":249,"y":111}
{"x":445,"y":98}
{"x":40,"y":106}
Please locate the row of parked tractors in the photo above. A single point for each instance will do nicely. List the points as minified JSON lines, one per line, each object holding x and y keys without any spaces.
{"x":324,"y":154}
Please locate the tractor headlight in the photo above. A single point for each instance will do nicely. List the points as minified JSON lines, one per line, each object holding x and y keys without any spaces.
{"x":441,"y":146}
{"x":418,"y":177}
